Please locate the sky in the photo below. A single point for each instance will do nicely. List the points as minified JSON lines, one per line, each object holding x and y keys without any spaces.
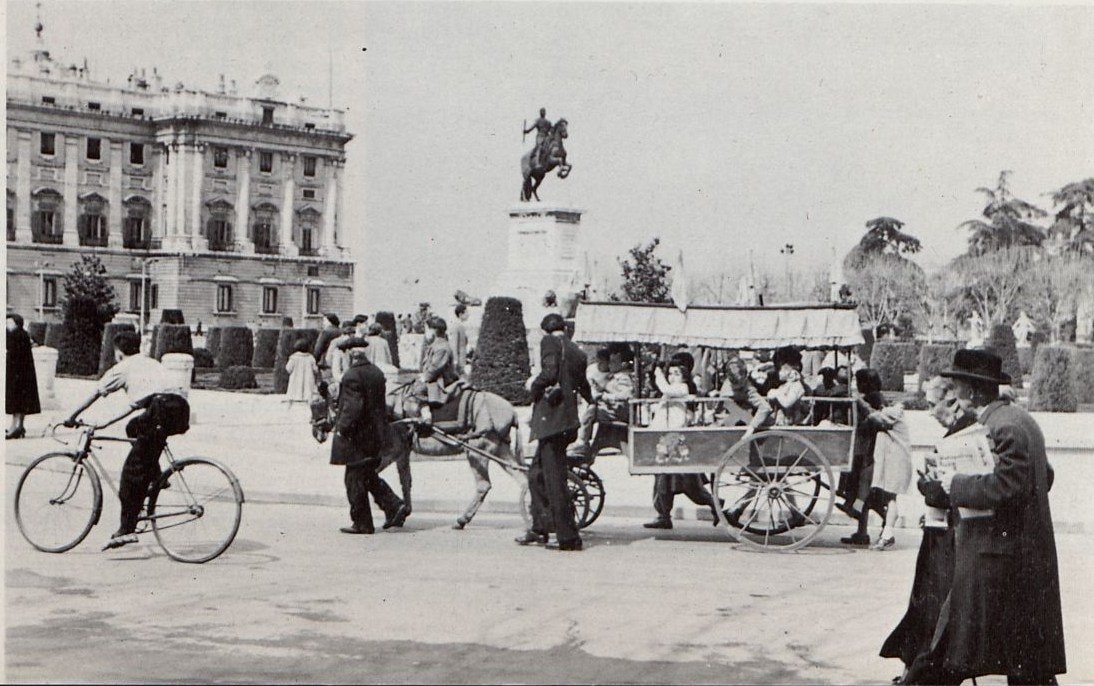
{"x":722,"y":128}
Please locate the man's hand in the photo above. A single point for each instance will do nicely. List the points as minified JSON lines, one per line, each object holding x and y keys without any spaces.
{"x":945,"y":478}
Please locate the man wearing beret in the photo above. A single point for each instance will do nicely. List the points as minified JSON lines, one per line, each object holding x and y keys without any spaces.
{"x":359,"y":434}
{"x":554,"y":424}
{"x":1003,"y":612}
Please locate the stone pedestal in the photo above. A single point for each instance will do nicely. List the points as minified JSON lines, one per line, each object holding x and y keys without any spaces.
{"x":45,"y":368}
{"x":182,"y":366}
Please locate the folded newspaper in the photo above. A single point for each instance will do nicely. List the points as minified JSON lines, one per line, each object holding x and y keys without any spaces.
{"x":968,"y":451}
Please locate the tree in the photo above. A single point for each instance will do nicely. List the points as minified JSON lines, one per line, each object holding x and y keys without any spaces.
{"x":990,"y":284}
{"x":645,"y":280}
{"x":1054,"y":286}
{"x":884,"y":235}
{"x":89,"y":303}
{"x":886,"y":287}
{"x":1009,"y":221}
{"x":1073,"y":227}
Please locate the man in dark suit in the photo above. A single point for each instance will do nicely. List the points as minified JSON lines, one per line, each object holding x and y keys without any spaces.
{"x":1003,"y":612}
{"x":554,"y":425}
{"x":326,"y":337}
{"x":359,"y":433}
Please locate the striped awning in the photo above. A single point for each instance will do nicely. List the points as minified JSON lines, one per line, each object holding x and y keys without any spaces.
{"x":749,"y":328}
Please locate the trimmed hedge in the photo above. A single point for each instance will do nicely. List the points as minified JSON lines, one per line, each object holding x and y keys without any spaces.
{"x":285,"y":344}
{"x":55,"y":333}
{"x":1001,"y":342}
{"x":106,"y":350}
{"x":501,"y":362}
{"x":1025,"y":359}
{"x":37,"y":332}
{"x":265,"y":348}
{"x":172,"y":317}
{"x":203,"y":359}
{"x":934,"y":358}
{"x":78,"y":353}
{"x":1052,"y":388}
{"x":1083,"y":361}
{"x":237,"y":377}
{"x":236,"y":347}
{"x":891,"y":359}
{"x":172,"y":338}
{"x":390,"y":334}
{"x":212,"y":340}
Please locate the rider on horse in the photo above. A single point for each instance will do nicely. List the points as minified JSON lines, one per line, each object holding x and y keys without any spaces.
{"x":542,"y":127}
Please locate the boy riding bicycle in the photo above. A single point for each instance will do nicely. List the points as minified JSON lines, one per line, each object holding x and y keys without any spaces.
{"x":166,"y":412}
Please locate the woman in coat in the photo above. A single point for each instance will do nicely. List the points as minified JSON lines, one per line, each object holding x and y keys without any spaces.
{"x":21,"y":387}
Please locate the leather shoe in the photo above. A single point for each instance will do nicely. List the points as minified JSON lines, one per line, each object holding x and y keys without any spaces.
{"x":572,"y":545}
{"x":355,"y":529}
{"x":398,"y":517}
{"x":531,"y":538}
{"x":658,"y":523}
{"x":856,"y":541}
{"x":21,"y":432}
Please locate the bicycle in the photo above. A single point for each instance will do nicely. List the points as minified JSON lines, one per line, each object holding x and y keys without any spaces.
{"x":193,"y":508}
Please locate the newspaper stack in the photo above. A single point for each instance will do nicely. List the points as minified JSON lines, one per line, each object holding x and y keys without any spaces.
{"x":968,"y":451}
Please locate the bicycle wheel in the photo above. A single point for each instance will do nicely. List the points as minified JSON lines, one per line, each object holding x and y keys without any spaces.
{"x":195,"y":509}
{"x":57,"y":502}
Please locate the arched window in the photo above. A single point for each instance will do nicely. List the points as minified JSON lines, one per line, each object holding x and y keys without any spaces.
{"x":136,"y":227}
{"x":265,"y":229}
{"x":218,"y":227}
{"x":92,"y":221}
{"x":47,"y":220}
{"x":308,"y":222}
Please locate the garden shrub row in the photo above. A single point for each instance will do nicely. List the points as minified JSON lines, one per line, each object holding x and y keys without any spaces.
{"x":106,"y":349}
{"x":265,"y":348}
{"x":236,"y":347}
{"x":1001,"y":342}
{"x":37,"y":332}
{"x":237,"y":377}
{"x":171,"y":338}
{"x":933,"y":359}
{"x":203,"y":359}
{"x":892,"y":360}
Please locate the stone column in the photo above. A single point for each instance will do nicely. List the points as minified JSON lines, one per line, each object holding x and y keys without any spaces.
{"x":22,"y":189}
{"x":197,"y":159}
{"x":339,"y":230}
{"x":114,"y":195}
{"x":243,"y":201}
{"x":45,"y":368}
{"x":327,"y":246}
{"x":180,"y":365}
{"x":285,"y":231}
{"x":72,"y":189}
{"x":173,"y":236}
{"x":158,"y":216}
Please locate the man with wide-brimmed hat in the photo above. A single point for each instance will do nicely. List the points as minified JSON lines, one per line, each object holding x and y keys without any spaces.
{"x":1003,"y":613}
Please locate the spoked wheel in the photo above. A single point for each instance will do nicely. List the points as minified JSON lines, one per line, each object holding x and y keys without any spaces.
{"x":57,"y":502}
{"x":580,"y":499}
{"x":776,"y":490}
{"x":195,"y":509}
{"x":594,"y":489}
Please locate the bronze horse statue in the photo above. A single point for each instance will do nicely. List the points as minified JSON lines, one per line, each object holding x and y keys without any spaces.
{"x":553,"y":155}
{"x":494,"y":429}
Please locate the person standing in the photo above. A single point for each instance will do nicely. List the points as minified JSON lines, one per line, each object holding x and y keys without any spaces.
{"x":360,"y":430}
{"x":554,"y":424}
{"x":1003,"y":614}
{"x":326,"y":336}
{"x":378,"y":351}
{"x":21,"y":387}
{"x":303,"y":375}
{"x":459,"y":340}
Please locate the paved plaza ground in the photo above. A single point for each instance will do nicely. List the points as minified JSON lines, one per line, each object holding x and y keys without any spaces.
{"x":293,"y":600}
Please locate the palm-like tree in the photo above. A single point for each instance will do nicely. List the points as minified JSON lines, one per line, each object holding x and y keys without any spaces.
{"x":1009,"y":221}
{"x":883,"y":234}
{"x":1074,"y":224}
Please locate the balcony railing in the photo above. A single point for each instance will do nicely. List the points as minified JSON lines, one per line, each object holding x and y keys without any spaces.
{"x":136,"y":242}
{"x":267,"y":249}
{"x":93,"y":241}
{"x":223,"y":246}
{"x":50,"y":238}
{"x":309,"y":252}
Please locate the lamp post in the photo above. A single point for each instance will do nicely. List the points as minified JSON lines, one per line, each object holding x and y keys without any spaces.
{"x":787,"y":250}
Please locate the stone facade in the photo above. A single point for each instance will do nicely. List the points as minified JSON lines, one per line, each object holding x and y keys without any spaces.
{"x":231,"y":205}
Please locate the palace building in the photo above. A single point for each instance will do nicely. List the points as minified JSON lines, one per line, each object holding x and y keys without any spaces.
{"x":225,"y":206}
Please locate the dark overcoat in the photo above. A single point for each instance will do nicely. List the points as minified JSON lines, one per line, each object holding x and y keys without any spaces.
{"x":360,"y":428}
{"x":563,"y":363}
{"x":1003,"y":614}
{"x":21,"y":387}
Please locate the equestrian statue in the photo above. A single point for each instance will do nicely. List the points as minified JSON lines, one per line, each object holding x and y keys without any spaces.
{"x":547,"y":154}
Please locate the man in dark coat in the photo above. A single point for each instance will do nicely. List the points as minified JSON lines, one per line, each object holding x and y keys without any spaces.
{"x":554,"y":425}
{"x":1003,"y":612}
{"x":359,"y":433}
{"x":326,"y":336}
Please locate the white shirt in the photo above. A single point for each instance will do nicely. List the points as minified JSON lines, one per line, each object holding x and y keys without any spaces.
{"x":141,"y":377}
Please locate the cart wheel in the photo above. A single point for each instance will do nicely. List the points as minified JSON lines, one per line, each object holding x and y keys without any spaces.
{"x":581,"y":499}
{"x":776,"y":490}
{"x":594,"y":489}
